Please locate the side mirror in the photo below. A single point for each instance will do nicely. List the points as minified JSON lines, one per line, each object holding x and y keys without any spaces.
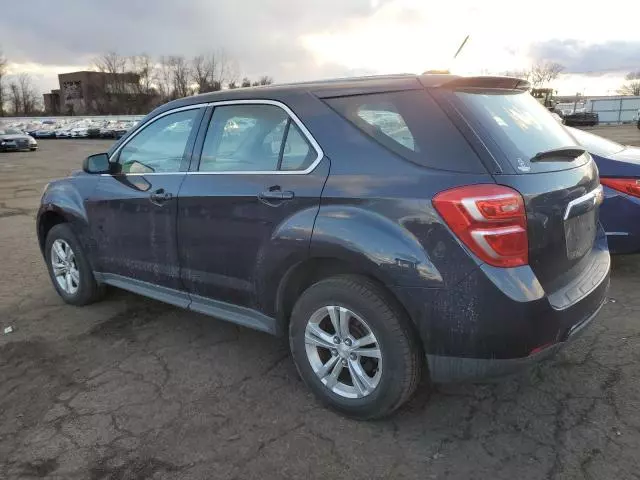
{"x":98,"y":163}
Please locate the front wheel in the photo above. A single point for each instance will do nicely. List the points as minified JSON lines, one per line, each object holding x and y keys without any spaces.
{"x":69,"y":267}
{"x":354,"y":347}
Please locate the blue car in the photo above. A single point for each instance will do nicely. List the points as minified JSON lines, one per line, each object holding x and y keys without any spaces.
{"x":619,"y":167}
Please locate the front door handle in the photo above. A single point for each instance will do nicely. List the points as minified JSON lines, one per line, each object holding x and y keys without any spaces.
{"x":160,"y":196}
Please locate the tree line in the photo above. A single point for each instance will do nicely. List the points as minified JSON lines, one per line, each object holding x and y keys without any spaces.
{"x":19,"y":95}
{"x":135,"y":84}
{"x":130,"y":84}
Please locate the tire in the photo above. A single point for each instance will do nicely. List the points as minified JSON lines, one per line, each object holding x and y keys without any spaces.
{"x":397,"y":372}
{"x":85,"y":289}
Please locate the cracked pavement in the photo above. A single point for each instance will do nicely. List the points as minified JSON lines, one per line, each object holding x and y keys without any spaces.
{"x":130,"y":388}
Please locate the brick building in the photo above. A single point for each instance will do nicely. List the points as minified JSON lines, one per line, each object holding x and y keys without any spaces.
{"x":87,"y":92}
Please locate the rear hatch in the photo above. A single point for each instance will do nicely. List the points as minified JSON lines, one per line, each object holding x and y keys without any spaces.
{"x":526,"y":149}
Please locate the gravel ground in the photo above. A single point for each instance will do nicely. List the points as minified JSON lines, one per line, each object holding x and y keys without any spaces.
{"x":130,"y":388}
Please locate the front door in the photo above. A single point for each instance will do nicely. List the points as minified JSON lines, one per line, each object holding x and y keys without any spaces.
{"x":133,"y":210}
{"x":250,"y":205}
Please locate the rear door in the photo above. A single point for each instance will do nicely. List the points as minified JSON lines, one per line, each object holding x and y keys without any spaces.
{"x":249,"y":203}
{"x":561,"y":190}
{"x":133,"y":210}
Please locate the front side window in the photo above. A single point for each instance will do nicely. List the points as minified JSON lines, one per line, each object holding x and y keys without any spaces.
{"x":159,"y":147}
{"x":254,"y":138}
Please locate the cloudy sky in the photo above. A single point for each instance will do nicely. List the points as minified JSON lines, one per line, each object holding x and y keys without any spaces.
{"x":307,"y":39}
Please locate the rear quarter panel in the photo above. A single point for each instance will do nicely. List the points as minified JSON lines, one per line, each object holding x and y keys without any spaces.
{"x":376,"y":210}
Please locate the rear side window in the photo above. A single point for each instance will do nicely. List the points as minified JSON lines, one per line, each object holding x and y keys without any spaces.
{"x":412,"y":125}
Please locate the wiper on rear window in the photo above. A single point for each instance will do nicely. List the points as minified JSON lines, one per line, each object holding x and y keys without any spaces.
{"x":566,"y":154}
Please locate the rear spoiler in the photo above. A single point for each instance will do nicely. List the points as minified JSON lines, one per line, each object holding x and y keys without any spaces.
{"x":481,"y":82}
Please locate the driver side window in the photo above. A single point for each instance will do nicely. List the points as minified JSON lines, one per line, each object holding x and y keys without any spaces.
{"x":159,"y":147}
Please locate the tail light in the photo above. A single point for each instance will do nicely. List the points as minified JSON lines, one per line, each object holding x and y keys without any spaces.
{"x":630,"y":186}
{"x":490,"y":220}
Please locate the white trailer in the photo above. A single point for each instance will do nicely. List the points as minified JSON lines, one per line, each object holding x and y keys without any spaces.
{"x":612,"y":110}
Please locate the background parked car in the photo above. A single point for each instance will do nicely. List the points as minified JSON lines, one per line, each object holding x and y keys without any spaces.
{"x":619,"y":167}
{"x":11,"y":139}
{"x":45,"y":133}
{"x":587,"y":119}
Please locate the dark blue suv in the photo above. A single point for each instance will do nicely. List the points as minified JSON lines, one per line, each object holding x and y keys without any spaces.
{"x":390,"y":226}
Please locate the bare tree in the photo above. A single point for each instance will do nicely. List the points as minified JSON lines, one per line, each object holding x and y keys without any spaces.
{"x":115,"y":65}
{"x":180,"y":76}
{"x":108,"y":91}
{"x":14,"y":98}
{"x":29,"y":97}
{"x":143,"y":67}
{"x":632,"y":87}
{"x":232,"y":85}
{"x":163,"y":79}
{"x":544,"y":72}
{"x":144,"y":95}
{"x":3,"y":71}
{"x":245,"y":82}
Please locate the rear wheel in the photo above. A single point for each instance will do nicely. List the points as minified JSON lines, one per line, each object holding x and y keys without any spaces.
{"x":69,"y":267}
{"x":354,"y":347}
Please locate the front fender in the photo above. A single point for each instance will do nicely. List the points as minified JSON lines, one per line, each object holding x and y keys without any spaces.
{"x":374,"y":244}
{"x":65,"y":199}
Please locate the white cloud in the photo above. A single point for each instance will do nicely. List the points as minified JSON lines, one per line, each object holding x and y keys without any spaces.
{"x":305,"y":39}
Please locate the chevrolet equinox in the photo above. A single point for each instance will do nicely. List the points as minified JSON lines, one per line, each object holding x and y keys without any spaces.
{"x":397,"y":229}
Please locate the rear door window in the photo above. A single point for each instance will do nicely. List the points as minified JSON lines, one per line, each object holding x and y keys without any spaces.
{"x":254,"y":138}
{"x":520,"y":127}
{"x":412,"y":125}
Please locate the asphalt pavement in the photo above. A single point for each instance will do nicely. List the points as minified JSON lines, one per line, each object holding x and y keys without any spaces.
{"x":130,"y":388}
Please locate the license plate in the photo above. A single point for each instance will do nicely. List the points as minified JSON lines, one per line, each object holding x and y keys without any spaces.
{"x":580,"y":233}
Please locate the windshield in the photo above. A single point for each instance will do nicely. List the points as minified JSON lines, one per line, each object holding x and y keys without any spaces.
{"x":595,"y":144}
{"x":520,"y":127}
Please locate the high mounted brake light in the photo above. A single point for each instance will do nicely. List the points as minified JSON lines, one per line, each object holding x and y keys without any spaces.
{"x":490,"y":220}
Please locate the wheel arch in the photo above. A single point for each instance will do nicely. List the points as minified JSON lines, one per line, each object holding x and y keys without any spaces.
{"x":305,"y":273}
{"x":48,"y":219}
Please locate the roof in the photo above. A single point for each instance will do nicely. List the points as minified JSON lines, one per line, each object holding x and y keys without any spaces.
{"x":347,"y":86}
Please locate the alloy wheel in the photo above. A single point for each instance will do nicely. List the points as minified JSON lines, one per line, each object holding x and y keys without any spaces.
{"x":343,"y":352}
{"x":65,"y":268}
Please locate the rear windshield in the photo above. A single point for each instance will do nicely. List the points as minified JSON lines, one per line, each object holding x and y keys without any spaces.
{"x":521,"y":127}
{"x":410,"y":124}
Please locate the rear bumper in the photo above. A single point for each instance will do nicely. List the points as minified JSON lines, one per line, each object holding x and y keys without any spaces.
{"x":497,"y":321}
{"x":443,"y":369}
